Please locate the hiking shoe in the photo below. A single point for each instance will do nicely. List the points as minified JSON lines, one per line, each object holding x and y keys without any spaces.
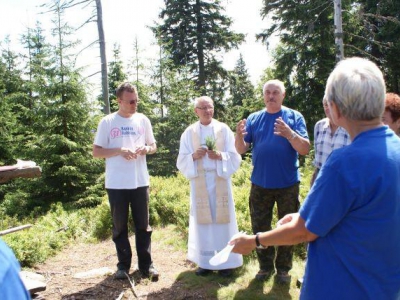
{"x":121,"y":274}
{"x":283,"y":277}
{"x":202,"y":272}
{"x":225,"y":272}
{"x":264,"y":275}
{"x":151,"y":273}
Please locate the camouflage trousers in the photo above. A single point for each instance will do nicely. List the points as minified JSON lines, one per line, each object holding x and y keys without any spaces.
{"x":261,"y":202}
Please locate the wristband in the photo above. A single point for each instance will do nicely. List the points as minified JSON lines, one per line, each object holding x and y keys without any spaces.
{"x":258,"y":244}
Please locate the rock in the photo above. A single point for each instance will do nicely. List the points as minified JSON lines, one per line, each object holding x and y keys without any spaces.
{"x":94,"y":273}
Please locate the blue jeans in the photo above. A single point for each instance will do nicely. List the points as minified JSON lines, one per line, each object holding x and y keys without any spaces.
{"x":138,"y":201}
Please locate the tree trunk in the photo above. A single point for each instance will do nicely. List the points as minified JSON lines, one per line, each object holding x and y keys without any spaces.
{"x":200,"y":49}
{"x":102,"y":43}
{"x":338,"y":30}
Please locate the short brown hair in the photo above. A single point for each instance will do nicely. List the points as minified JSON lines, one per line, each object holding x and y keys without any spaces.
{"x":392,"y":105}
{"x":125,"y":87}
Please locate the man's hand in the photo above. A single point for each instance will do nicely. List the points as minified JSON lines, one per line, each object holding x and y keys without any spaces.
{"x":286,"y":219}
{"x":282,"y":129}
{"x":200,"y":152}
{"x":142,"y":150}
{"x":128,"y":154}
{"x":244,"y":244}
{"x":214,"y":155}
{"x":241,"y":129}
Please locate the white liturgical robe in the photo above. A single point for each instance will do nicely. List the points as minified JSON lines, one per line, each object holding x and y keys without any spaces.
{"x":205,"y":240}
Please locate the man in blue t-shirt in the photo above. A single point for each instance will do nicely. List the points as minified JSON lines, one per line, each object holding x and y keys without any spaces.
{"x":351,"y":216}
{"x":277,"y":135}
{"x":11,"y":285}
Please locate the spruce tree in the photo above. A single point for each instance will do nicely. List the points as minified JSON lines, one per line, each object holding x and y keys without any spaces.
{"x":193,"y":32}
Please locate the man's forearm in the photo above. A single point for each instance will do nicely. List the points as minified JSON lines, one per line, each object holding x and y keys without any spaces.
{"x":152,"y":148}
{"x":99,"y":152}
{"x":240,"y":145}
{"x":300,"y":144}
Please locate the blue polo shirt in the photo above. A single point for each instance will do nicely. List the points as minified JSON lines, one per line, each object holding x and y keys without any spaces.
{"x":275,"y":161}
{"x":354,"y":208}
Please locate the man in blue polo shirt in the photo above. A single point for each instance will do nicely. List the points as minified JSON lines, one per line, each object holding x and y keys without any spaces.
{"x":351,"y":217}
{"x":277,"y":135}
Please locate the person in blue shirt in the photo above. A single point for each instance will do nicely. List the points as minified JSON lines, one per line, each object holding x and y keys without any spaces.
{"x":351,"y":215}
{"x":11,"y":285}
{"x":277,"y":135}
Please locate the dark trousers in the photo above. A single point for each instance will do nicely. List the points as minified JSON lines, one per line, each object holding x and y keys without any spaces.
{"x":138,"y":201}
{"x":261,"y":204}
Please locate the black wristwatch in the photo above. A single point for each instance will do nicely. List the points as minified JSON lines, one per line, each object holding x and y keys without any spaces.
{"x":258,"y":244}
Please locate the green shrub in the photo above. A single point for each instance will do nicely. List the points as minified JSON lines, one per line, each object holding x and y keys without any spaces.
{"x":102,"y":221}
{"x":170,"y":201}
{"x":169,"y":204}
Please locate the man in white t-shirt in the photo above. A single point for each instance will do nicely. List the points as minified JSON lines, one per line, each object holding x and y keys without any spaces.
{"x":124,"y":138}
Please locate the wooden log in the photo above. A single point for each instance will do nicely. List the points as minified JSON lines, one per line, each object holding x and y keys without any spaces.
{"x":14,"y":229}
{"x":32,"y":172}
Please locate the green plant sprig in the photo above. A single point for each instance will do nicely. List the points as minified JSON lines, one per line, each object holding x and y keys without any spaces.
{"x":210,"y":143}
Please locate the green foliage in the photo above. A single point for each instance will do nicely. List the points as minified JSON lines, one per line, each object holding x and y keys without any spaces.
{"x":170,"y":201}
{"x":175,"y":112}
{"x":52,"y":127}
{"x":193,"y":32}
{"x":102,"y":221}
{"x":241,"y":92}
{"x":49,"y":234}
{"x":210,"y":143}
{"x":116,"y":76}
{"x":169,"y":204}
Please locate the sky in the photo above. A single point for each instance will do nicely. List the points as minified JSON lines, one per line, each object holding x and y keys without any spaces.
{"x":126,"y":20}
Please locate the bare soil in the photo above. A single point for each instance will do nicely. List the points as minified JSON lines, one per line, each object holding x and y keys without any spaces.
{"x":60,"y":272}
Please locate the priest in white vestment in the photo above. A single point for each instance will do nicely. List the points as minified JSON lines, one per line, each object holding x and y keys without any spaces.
{"x":212,"y":220}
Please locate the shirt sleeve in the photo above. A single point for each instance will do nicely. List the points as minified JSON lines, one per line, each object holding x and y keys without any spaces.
{"x":101,"y":137}
{"x":149,"y":132}
{"x":300,"y":126}
{"x":327,"y":202}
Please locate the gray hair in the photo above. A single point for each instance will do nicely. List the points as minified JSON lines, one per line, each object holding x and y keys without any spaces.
{"x":204,"y":98}
{"x":357,"y":87}
{"x":276,"y":82}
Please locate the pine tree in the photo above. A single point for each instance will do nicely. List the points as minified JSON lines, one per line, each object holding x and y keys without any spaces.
{"x":173,"y":113}
{"x":241,"y":91}
{"x":306,"y":53}
{"x":11,"y":92}
{"x":192,"y":32}
{"x":64,"y":130}
{"x":116,"y":76}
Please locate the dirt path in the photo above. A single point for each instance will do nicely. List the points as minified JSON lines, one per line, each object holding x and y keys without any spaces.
{"x":61,"y":272}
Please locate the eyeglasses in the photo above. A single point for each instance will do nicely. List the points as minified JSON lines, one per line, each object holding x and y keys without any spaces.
{"x":205,"y":108}
{"x":131,"y":101}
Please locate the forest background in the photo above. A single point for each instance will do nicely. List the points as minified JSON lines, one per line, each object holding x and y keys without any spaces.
{"x":48,"y":115}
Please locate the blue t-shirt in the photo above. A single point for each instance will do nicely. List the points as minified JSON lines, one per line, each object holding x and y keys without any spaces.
{"x":11,"y":285}
{"x":354,"y":208}
{"x":275,"y":161}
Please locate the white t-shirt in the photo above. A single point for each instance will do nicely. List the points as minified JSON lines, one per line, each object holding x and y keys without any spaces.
{"x":115,"y":131}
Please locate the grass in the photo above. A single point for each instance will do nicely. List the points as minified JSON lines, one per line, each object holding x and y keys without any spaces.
{"x":242,"y":285}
